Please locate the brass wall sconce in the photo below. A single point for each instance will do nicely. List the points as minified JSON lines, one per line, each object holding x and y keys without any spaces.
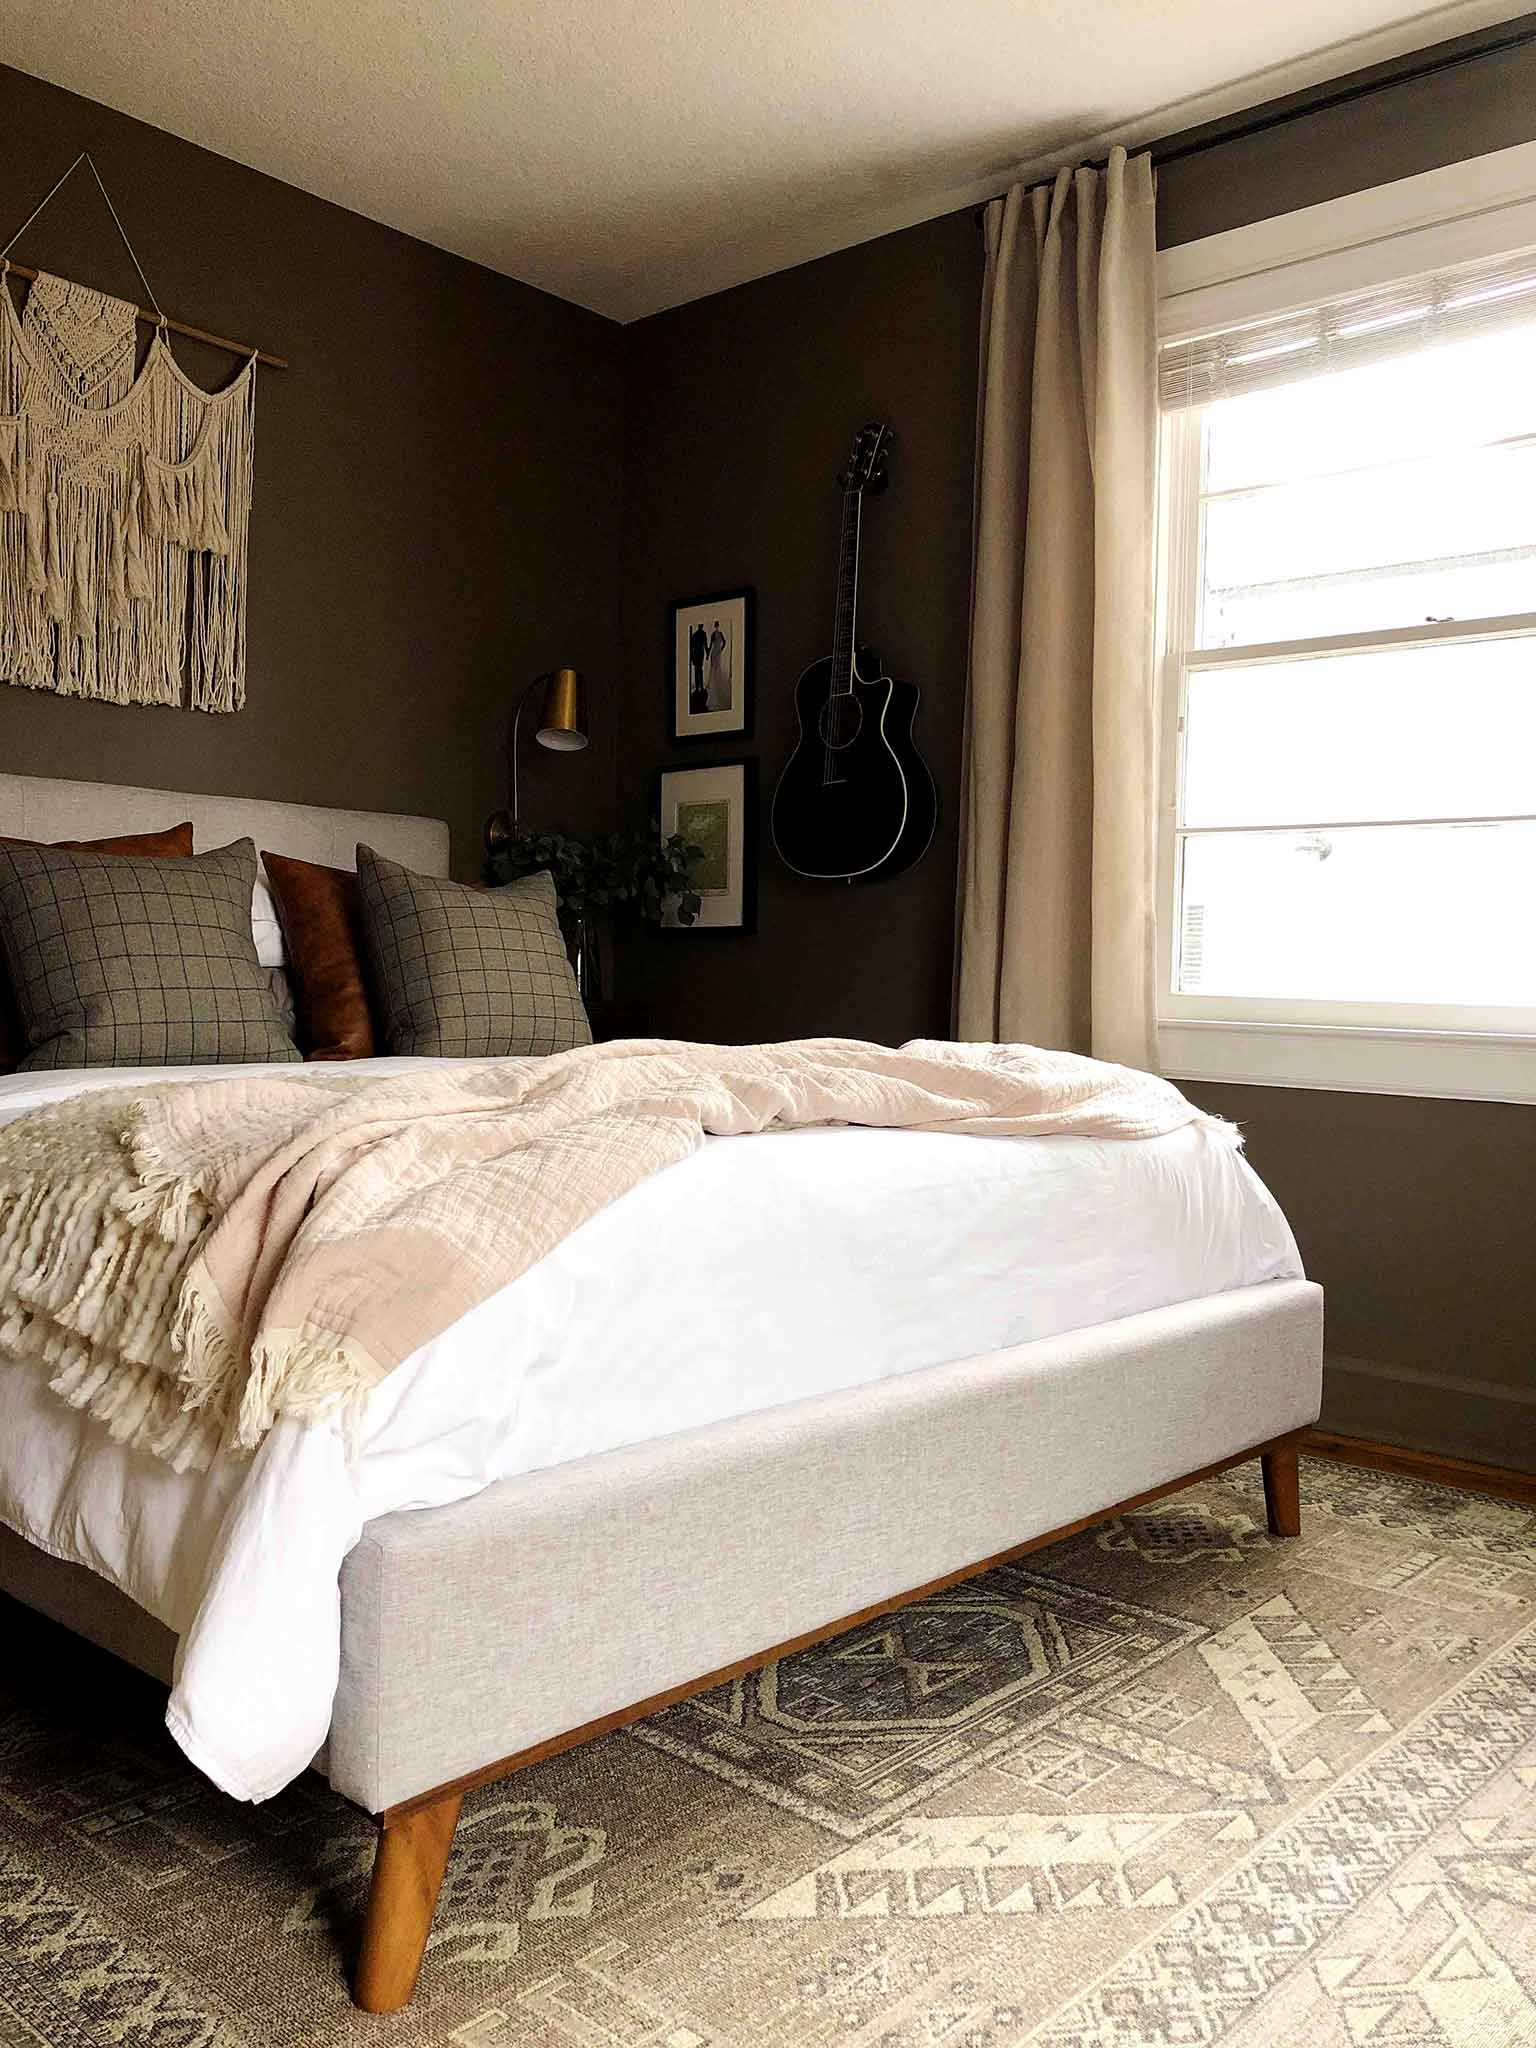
{"x":562,"y":728}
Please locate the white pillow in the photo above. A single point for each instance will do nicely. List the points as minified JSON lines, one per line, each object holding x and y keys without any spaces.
{"x":266,"y":926}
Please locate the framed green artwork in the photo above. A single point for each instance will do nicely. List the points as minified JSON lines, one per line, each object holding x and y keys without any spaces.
{"x":715,"y":808}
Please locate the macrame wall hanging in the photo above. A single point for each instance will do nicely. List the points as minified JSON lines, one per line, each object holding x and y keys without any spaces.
{"x":124,"y":502}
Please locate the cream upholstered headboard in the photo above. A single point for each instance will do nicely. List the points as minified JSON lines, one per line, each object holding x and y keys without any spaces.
{"x":35,"y":807}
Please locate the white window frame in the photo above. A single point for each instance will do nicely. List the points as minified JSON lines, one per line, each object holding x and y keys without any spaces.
{"x":1486,"y":206}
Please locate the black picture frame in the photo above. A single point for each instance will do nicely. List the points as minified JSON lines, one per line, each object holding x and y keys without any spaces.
{"x":750,"y":830}
{"x":682,"y":730}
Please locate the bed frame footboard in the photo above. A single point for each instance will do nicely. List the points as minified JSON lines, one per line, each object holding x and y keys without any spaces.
{"x":416,"y":1836}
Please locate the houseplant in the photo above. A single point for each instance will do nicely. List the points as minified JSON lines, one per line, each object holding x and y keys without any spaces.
{"x":602,"y":876}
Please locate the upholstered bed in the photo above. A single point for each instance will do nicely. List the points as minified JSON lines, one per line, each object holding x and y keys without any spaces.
{"x":529,"y":1612}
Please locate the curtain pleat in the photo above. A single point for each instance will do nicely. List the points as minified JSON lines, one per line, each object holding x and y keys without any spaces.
{"x":1057,"y":873}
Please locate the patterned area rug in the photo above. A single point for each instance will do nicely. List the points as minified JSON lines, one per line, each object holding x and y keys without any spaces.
{"x":1167,"y":1783}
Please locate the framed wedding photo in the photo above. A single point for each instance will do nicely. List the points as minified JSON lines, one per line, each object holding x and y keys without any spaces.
{"x":709,"y":667}
{"x":715,"y":807}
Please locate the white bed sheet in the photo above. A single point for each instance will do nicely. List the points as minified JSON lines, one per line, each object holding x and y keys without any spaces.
{"x":761,"y":1270}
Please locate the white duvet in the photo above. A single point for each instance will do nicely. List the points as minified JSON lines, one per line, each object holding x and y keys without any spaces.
{"x":762,"y":1270}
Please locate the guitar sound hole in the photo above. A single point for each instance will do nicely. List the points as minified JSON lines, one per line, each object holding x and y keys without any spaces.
{"x":841,"y":718}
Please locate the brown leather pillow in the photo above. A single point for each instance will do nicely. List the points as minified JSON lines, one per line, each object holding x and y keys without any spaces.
{"x":173,"y":844}
{"x":322,"y":916}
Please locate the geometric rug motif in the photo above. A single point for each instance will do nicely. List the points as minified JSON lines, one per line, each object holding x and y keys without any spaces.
{"x":1004,"y":1863}
{"x":1180,"y":1531}
{"x":1445,"y":1516}
{"x":1274,"y":1911}
{"x":860,"y":1729}
{"x":1284,"y":1679}
{"x":1169,"y":1782}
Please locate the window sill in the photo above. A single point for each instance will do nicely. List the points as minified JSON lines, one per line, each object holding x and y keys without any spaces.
{"x":1470,"y":1066}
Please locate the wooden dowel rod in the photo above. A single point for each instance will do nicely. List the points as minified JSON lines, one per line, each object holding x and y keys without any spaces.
{"x":235,"y":348}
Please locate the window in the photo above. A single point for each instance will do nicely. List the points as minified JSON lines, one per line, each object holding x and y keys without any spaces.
{"x":1348,"y":622}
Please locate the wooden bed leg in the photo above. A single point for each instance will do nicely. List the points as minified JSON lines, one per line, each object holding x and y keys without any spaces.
{"x":408,"y":1868}
{"x":1282,"y":1491}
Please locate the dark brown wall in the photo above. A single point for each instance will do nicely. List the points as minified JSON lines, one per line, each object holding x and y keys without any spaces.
{"x":740,"y":412}
{"x":1416,"y":1217}
{"x":1414,"y":1214}
{"x":436,"y":504}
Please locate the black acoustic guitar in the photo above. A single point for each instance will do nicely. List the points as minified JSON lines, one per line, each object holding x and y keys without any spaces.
{"x":855,"y":801}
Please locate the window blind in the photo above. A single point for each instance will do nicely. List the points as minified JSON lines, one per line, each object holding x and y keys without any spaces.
{"x":1342,"y":333}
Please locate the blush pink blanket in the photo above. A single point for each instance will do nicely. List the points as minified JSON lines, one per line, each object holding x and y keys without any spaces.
{"x":194,"y":1261}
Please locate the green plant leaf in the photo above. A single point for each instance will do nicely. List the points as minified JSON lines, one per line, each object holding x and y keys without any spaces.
{"x":608,"y":872}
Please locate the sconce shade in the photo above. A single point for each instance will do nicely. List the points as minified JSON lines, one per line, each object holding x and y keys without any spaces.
{"x":562,"y":728}
{"x":563,"y":713}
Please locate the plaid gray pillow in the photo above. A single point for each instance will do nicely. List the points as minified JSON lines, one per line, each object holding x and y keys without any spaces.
{"x":118,"y":961}
{"x":464,"y":973}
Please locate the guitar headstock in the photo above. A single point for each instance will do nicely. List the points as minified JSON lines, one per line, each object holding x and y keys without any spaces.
{"x":868,"y":460}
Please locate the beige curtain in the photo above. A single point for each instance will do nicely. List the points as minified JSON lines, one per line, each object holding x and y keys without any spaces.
{"x":1055,"y":942}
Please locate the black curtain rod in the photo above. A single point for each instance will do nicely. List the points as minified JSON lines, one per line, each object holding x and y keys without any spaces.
{"x":1342,"y":95}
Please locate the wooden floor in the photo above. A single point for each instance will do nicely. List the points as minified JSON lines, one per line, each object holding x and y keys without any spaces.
{"x":1502,"y":1480}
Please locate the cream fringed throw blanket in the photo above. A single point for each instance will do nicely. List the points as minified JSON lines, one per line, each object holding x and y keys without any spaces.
{"x":193,"y":1261}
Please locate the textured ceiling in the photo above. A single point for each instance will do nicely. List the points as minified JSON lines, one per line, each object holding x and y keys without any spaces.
{"x":632,"y":154}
